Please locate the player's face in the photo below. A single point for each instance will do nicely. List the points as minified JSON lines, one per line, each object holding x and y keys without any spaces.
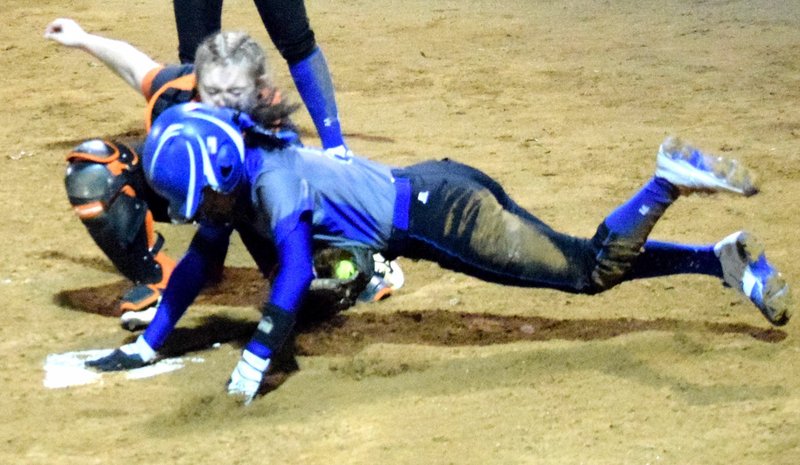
{"x":216,"y":208}
{"x":228,"y":86}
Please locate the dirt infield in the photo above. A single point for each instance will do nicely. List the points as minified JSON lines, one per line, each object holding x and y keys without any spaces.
{"x":565,"y":103}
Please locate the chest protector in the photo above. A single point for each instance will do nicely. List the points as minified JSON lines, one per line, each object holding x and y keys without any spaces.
{"x":174,"y":92}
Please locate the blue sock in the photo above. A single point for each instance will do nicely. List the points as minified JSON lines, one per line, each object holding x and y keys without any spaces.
{"x":313,"y":82}
{"x":668,"y":258}
{"x":635,"y":218}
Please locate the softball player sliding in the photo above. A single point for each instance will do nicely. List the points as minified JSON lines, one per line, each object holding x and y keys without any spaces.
{"x":297,"y":199}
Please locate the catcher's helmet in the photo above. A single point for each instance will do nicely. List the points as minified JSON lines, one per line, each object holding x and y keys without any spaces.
{"x":190,"y":147}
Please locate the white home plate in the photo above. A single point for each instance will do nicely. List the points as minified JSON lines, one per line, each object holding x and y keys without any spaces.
{"x":67,"y":369}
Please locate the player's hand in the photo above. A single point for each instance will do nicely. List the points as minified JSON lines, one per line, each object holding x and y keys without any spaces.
{"x":246,"y":377}
{"x":66,"y":32}
{"x":127,"y":357}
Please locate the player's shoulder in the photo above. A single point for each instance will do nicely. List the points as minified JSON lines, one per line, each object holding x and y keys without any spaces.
{"x":273,"y":165}
{"x":173,"y":75}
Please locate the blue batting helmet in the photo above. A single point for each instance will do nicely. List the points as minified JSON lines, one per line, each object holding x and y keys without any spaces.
{"x":190,"y":147}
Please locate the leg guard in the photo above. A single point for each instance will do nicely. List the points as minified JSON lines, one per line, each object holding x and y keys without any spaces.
{"x":103,"y":182}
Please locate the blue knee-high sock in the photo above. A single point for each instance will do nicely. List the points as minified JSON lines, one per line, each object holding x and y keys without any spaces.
{"x":313,"y":81}
{"x":667,"y":258}
{"x":635,"y":218}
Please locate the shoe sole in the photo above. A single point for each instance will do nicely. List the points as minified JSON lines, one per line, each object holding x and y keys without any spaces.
{"x":376,"y":290}
{"x":777,"y":307}
{"x":133,"y":321}
{"x":777,"y":300}
{"x":734,"y":256}
{"x":133,"y":325}
{"x":384,"y":293}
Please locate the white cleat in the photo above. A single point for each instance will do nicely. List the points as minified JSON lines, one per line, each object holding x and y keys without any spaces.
{"x":387,"y":278}
{"x":746,"y":269}
{"x":135,"y":320}
{"x":691,"y":170}
{"x":390,"y":271}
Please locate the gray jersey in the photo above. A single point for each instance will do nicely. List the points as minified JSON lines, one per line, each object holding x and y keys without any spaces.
{"x":350,"y":199}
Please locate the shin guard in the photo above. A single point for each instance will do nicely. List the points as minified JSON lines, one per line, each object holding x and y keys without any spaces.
{"x":103,"y":182}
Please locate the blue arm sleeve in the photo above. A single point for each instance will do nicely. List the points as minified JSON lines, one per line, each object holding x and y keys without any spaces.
{"x":186,"y":282}
{"x":295,"y":266}
{"x":295,"y":272}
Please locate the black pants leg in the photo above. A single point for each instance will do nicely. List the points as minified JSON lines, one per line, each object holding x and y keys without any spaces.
{"x":464,"y":220}
{"x":288,"y":26}
{"x":195,"y":20}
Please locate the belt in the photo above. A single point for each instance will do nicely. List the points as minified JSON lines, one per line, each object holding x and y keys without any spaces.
{"x":402,"y":202}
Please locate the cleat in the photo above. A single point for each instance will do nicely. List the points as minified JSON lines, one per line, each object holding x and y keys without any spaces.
{"x":138,"y":306}
{"x":746,"y":269}
{"x":376,"y":290}
{"x":390,"y":271}
{"x":140,"y":297}
{"x":691,"y":170}
{"x":386,"y":278}
{"x":133,"y":321}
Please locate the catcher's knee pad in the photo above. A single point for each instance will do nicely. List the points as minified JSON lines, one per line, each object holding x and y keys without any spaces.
{"x":102,"y":181}
{"x":614,"y":257}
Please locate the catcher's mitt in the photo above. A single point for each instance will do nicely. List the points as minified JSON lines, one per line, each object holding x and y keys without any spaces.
{"x":328,"y":294}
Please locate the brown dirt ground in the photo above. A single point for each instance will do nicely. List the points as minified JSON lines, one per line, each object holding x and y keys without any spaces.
{"x":565,"y":103}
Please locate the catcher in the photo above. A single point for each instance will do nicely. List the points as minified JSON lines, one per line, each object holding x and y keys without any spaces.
{"x":297,"y":199}
{"x":104,"y":180}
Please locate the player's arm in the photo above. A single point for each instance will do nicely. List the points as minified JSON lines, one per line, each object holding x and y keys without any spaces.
{"x":130,"y":63}
{"x":184,"y":285}
{"x":295,"y":272}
